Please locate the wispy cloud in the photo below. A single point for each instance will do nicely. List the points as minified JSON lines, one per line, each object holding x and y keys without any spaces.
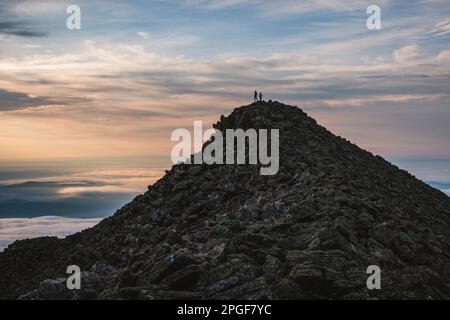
{"x":13,"y":24}
{"x":283,"y":7}
{"x":20,"y":29}
{"x":17,"y":101}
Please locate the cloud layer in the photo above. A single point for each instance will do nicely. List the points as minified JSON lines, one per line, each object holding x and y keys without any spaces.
{"x":97,"y":193}
{"x":25,"y":228}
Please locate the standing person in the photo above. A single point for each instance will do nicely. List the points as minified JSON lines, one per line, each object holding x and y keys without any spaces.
{"x":260,"y":96}
{"x":256,"y":96}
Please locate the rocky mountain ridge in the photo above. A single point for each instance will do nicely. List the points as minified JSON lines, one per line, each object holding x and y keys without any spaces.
{"x":227,"y":232}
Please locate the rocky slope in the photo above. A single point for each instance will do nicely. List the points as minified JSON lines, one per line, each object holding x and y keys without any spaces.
{"x":224,"y":231}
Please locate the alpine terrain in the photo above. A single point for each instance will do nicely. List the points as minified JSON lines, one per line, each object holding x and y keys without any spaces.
{"x":227,"y":232}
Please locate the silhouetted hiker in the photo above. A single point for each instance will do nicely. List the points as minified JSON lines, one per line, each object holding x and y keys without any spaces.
{"x":260,"y":96}
{"x":256,"y":96}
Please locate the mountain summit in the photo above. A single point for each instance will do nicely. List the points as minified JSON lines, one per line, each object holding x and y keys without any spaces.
{"x":227,"y":232}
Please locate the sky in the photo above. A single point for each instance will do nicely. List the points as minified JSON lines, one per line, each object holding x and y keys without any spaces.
{"x":86,"y":115}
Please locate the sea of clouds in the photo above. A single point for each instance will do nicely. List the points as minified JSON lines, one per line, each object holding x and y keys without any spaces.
{"x":12,"y":229}
{"x":41,"y":204}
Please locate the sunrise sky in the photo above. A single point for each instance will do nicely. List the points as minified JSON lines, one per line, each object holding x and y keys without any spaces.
{"x":86,"y":115}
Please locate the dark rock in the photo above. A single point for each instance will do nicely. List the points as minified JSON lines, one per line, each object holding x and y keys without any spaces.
{"x":272,"y":268}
